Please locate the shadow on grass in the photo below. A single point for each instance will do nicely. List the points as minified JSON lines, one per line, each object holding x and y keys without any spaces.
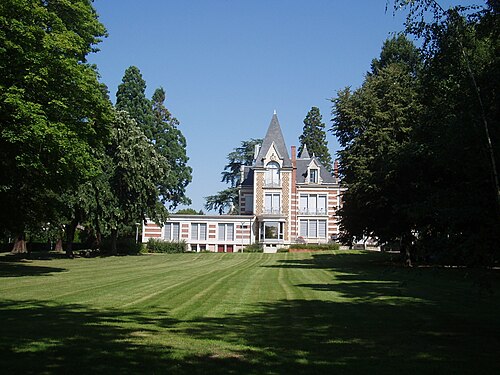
{"x":426,"y":333}
{"x":18,"y":269}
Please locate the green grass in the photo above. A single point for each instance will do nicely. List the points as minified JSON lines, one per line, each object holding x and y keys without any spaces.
{"x":290,"y":313}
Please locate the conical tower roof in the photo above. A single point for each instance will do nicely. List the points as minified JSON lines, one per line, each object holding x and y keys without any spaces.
{"x":304,"y":154}
{"x":274,"y":135}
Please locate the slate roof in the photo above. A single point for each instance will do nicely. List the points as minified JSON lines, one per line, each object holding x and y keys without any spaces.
{"x":304,"y":154}
{"x":275,"y":135}
{"x":247,"y":176}
{"x":302,"y":165}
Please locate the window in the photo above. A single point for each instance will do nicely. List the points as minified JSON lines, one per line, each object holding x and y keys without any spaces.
{"x":248,"y":203}
{"x":312,"y":228}
{"x":226,"y":232}
{"x":199,"y":231}
{"x":272,"y":176}
{"x":272,"y":203}
{"x":271,"y":230}
{"x":312,"y":204}
{"x":313,"y":176}
{"x":172,"y":231}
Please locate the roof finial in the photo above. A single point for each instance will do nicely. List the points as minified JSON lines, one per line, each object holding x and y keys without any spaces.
{"x":274,"y":112}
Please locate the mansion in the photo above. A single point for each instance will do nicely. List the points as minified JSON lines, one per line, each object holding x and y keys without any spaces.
{"x":283,"y":199}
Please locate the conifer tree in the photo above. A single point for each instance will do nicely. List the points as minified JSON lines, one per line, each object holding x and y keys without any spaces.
{"x":131,"y":97}
{"x":314,"y":137}
{"x":170,"y":143}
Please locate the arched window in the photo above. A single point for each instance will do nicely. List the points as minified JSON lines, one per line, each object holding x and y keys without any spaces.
{"x":273,"y":174}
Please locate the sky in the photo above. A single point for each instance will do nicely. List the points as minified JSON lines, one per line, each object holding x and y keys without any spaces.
{"x":226,"y":65}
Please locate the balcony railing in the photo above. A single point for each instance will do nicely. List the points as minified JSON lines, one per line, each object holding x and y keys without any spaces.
{"x":272,"y":211}
{"x":313,"y":211}
{"x":272,"y":184}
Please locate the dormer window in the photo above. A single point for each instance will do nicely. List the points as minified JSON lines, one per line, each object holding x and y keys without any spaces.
{"x":313,"y":176}
{"x":272,"y":174}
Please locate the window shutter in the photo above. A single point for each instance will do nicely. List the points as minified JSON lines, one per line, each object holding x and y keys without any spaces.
{"x":175,"y":231}
{"x":313,"y":228}
{"x":303,"y":203}
{"x":203,"y":232}
{"x":168,"y":231}
{"x":230,"y":232}
{"x":276,"y":202}
{"x":303,"y":228}
{"x":222,"y":232}
{"x":322,"y":228}
{"x":322,"y":204}
{"x":312,"y":203}
{"x":268,"y":202}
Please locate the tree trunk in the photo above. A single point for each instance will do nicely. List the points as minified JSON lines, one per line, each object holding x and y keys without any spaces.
{"x":114,"y":236}
{"x":59,"y":246}
{"x":70,"y":235}
{"x":405,"y":249}
{"x":20,"y":245}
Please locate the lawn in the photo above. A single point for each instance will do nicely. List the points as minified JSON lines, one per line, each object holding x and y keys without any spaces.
{"x":318,"y":313}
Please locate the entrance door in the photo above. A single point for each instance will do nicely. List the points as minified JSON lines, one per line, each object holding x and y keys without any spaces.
{"x":220,"y":248}
{"x":229,"y":248}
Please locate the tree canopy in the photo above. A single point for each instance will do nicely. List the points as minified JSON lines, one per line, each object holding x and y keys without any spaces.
{"x":53,"y":110}
{"x":420,"y":139}
{"x":131,"y":97}
{"x":314,"y":137}
{"x":229,"y":198}
{"x":169,"y":142}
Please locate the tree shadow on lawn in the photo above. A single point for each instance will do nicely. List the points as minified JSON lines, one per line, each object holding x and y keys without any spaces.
{"x":11,"y":268}
{"x":363,"y":334}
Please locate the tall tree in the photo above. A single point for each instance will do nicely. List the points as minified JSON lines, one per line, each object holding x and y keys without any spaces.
{"x":134,"y":173}
{"x":314,"y":136}
{"x":373,"y":125}
{"x":53,"y":110}
{"x":170,"y":143}
{"x":131,"y":97}
{"x":228,"y":198}
{"x":459,"y":135}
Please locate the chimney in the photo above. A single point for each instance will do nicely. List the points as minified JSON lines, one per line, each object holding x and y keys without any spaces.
{"x":294,"y":155}
{"x":256,"y":152}
{"x":336,"y":169}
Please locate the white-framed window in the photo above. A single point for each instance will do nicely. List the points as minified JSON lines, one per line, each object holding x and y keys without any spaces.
{"x":172,"y":231}
{"x":226,"y":232}
{"x":313,"y":204}
{"x":272,"y":203}
{"x":271,"y":230}
{"x":199,"y":231}
{"x":272,"y":176}
{"x":312,"y":228}
{"x":313,"y":176}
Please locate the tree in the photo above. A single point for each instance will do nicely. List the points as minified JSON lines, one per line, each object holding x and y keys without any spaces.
{"x":314,"y":136}
{"x":373,"y":125}
{"x":131,"y":97}
{"x":53,"y":110}
{"x":458,"y":136}
{"x":170,"y":143}
{"x":420,"y":146}
{"x":190,"y":211}
{"x":228,"y":198}
{"x":134,"y":174}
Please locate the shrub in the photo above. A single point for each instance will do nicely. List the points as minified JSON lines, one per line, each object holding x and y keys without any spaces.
{"x":253,"y":248}
{"x":124,"y":245}
{"x":283,"y":250}
{"x":330,"y":246}
{"x":159,"y":246}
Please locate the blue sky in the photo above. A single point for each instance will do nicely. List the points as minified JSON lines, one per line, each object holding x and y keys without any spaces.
{"x":226,"y":65}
